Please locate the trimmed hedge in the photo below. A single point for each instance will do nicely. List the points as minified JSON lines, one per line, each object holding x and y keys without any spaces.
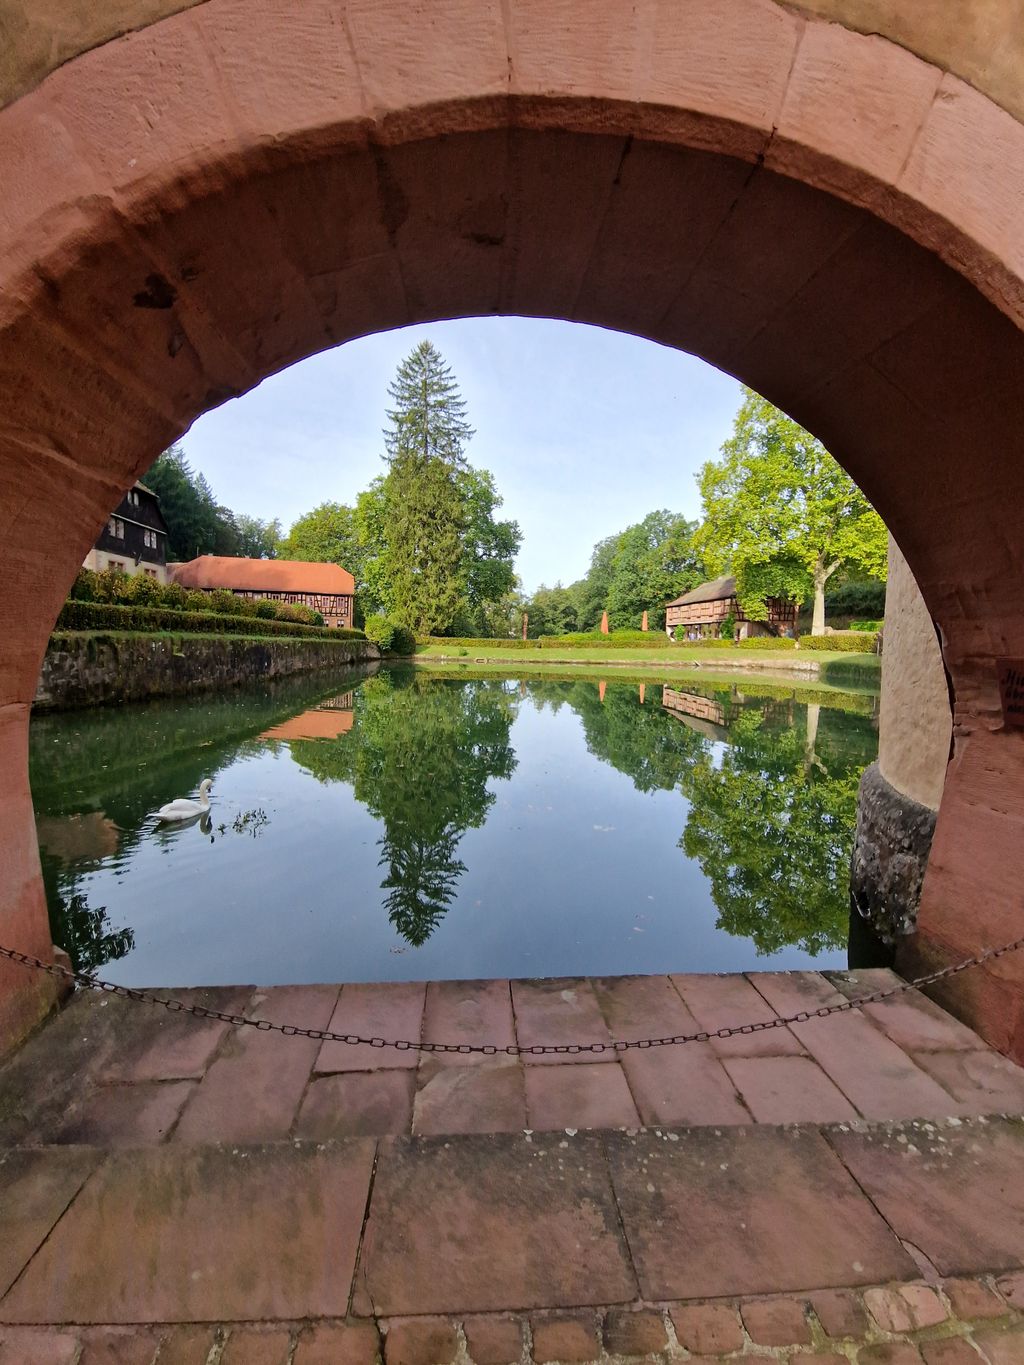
{"x":109,"y":616}
{"x":139,"y":590}
{"x":620,"y":639}
{"x":857,"y":642}
{"x":389,"y":636}
{"x":767,"y":642}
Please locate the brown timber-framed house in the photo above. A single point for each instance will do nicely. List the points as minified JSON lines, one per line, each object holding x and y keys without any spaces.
{"x":134,"y":539}
{"x":327,"y":588}
{"x":698,"y":614}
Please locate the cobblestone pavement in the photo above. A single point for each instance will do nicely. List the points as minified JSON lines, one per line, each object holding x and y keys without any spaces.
{"x":848,"y":1189}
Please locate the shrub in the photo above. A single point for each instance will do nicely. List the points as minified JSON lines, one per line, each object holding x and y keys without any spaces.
{"x":727,"y":630}
{"x":81,"y":615}
{"x":389,"y":636}
{"x":767,"y":642}
{"x":875,"y":626}
{"x":266,"y":611}
{"x":857,"y":642}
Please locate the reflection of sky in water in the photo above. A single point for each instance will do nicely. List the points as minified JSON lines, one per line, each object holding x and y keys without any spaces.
{"x":573,"y":871}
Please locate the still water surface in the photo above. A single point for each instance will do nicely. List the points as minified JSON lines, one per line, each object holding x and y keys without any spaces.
{"x":407,"y":826}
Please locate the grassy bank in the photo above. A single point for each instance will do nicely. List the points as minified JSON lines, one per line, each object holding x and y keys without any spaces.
{"x":816,"y":662}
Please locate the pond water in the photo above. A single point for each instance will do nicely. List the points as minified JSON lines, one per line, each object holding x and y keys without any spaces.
{"x":409,"y":825}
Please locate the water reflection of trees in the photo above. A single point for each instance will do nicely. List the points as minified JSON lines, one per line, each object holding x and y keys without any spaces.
{"x":419,"y":758}
{"x":85,"y":933}
{"x":772,"y":805}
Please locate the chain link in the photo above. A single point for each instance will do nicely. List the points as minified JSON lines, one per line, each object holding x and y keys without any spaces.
{"x":94,"y":983}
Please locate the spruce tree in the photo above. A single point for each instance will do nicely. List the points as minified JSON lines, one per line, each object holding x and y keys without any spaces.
{"x":421,"y":559}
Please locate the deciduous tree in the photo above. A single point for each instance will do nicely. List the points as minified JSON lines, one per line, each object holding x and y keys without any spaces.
{"x":782,"y":515}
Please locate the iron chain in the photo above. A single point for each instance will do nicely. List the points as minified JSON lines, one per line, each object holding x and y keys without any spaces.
{"x":94,"y":983}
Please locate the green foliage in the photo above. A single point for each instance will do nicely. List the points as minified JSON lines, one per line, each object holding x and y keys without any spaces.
{"x":122,"y":589}
{"x":257,"y":539}
{"x":653,"y":561}
{"x":327,"y":535}
{"x":771,"y":826}
{"x":436,"y":557}
{"x":874,"y":626}
{"x":420,"y":757}
{"x":856,"y":643}
{"x":96,"y":616}
{"x":636,"y":570}
{"x":781,"y":514}
{"x":620,"y":639}
{"x":767,"y":642}
{"x":390,"y":637}
{"x":727,"y":630}
{"x":856,"y":599}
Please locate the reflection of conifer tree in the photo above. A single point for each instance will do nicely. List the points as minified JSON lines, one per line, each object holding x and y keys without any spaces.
{"x":422,"y":880}
{"x":420,"y":756}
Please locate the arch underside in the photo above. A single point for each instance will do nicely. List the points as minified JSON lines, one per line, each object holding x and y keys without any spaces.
{"x":144,"y":280}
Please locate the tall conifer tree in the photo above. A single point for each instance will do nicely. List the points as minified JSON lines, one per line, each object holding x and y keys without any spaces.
{"x":421,"y":559}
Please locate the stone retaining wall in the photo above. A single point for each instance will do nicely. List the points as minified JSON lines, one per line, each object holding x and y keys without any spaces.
{"x":101,"y":670}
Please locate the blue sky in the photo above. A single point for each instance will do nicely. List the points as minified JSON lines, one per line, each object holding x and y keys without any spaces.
{"x":584,"y":430}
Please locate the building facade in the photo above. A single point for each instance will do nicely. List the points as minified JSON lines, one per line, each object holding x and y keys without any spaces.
{"x":134,"y":539}
{"x":327,"y":588}
{"x":699,"y":614}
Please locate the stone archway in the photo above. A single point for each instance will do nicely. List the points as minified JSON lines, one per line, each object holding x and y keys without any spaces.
{"x":208,"y":198}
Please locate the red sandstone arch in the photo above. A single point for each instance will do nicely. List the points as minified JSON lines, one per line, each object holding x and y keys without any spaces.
{"x":193,"y":206}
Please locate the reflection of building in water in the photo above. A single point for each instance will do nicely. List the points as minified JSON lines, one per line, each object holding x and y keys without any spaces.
{"x":328,"y":720}
{"x":78,"y":838}
{"x":706,"y":715}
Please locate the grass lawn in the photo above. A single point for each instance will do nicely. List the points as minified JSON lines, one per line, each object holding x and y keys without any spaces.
{"x":687,"y":655}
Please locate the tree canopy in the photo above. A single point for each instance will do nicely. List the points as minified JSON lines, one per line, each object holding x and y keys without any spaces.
{"x":782,"y":515}
{"x":196,"y":523}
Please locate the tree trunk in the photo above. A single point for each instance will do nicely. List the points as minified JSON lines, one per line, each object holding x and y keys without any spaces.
{"x":818,"y":617}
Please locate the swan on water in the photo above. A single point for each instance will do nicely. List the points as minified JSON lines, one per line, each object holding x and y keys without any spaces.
{"x":185,"y":808}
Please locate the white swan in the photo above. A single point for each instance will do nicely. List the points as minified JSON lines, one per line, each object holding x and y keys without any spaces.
{"x":185,"y":808}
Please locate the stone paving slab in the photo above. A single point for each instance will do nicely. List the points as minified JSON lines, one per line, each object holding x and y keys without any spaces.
{"x":955,"y":1192}
{"x":35,"y":1189}
{"x":252,"y":1089}
{"x":180,"y":1234}
{"x":114,"y":1068}
{"x":771,"y":1209}
{"x":495,"y":1222}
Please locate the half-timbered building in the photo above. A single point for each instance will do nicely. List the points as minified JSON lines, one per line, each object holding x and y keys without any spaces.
{"x":699,"y":614}
{"x":134,"y":540}
{"x":327,"y":588}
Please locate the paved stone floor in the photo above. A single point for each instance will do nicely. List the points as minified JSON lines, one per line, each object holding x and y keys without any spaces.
{"x":848,"y":1189}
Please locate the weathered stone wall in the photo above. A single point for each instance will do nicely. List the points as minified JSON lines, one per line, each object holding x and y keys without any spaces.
{"x":890,"y":854}
{"x":99,"y":670}
{"x":900,"y":794}
{"x":914,"y":723}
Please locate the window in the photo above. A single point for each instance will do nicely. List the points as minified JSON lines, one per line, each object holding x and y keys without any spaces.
{"x":149,"y":539}
{"x":115,"y":566}
{"x":116,"y":528}
{"x":133,"y":498}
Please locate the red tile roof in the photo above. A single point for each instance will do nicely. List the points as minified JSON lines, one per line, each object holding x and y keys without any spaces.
{"x":262,"y":575}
